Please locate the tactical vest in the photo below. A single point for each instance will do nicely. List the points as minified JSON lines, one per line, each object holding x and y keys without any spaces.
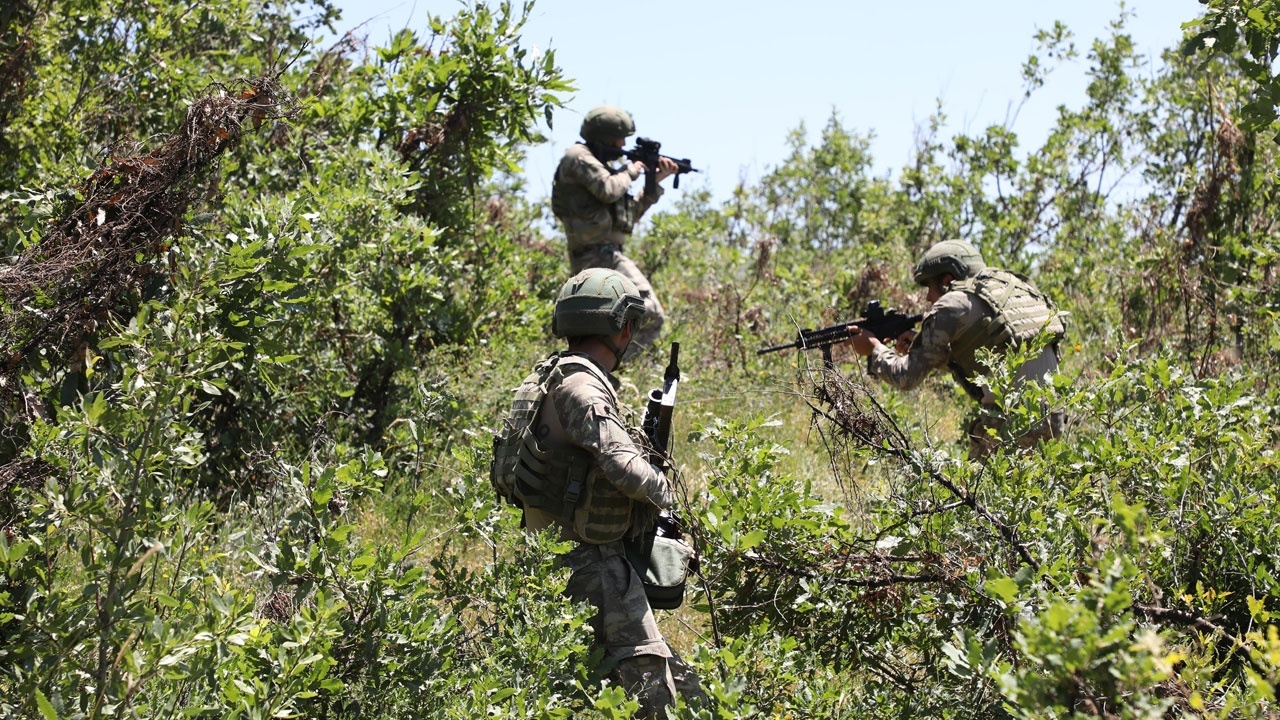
{"x":1020,"y":312}
{"x":562,"y":482}
{"x":572,"y":201}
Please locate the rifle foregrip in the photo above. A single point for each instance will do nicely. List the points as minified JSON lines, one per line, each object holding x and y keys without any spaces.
{"x":825,"y":336}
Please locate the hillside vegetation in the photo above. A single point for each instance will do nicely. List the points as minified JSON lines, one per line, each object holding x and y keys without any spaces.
{"x":262,"y":303}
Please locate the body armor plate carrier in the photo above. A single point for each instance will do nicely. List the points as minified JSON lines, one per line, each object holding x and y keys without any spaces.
{"x":1020,"y":312}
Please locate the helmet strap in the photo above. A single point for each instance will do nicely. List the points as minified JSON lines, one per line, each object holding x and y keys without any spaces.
{"x":619,"y":352}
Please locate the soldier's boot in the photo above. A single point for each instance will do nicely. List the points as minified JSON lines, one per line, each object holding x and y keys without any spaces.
{"x":647,"y":679}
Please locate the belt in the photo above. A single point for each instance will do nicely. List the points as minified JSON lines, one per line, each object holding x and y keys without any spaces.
{"x":595,"y":249}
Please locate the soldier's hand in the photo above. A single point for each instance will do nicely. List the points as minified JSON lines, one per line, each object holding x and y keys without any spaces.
{"x":863,"y":342}
{"x":666,"y":167}
{"x":635,"y":168}
{"x":903,"y":343}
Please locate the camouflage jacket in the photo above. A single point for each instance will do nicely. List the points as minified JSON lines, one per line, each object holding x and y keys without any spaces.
{"x":952,"y":331}
{"x":593,"y":201}
{"x":622,"y":488}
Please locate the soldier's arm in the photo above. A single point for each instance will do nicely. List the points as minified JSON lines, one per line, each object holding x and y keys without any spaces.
{"x":666,"y":168}
{"x":931,"y":348}
{"x":607,"y":186}
{"x":645,"y":201}
{"x":592,"y":422}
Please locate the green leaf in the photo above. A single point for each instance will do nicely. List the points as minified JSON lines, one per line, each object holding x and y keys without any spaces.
{"x":752,"y":539}
{"x":46,"y":708}
{"x":11,"y":552}
{"x":321,"y":496}
{"x":278,"y":285}
{"x":93,"y":409}
{"x":1003,"y":588}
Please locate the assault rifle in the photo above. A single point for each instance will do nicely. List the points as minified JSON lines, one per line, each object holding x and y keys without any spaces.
{"x":647,"y":152}
{"x":657,"y":428}
{"x":875,"y":320}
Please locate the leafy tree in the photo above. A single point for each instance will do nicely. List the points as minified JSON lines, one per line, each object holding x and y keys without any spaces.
{"x":1248,"y":33}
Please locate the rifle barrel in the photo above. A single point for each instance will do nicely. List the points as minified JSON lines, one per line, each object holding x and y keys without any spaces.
{"x":776,"y":348}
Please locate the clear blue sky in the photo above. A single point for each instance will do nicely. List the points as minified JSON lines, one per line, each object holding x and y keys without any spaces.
{"x":723,"y":83}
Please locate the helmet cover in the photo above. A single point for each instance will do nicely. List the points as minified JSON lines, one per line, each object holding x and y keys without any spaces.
{"x":596,"y":301}
{"x":606,"y":124}
{"x":956,"y":257}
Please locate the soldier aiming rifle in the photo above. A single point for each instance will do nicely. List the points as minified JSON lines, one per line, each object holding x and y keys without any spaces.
{"x":591,"y":196}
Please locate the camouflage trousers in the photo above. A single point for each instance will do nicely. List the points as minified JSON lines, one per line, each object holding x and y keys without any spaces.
{"x":989,"y":430}
{"x":610,"y":257}
{"x":636,"y":656}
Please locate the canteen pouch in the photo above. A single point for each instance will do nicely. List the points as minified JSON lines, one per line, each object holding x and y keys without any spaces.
{"x":663,"y":565}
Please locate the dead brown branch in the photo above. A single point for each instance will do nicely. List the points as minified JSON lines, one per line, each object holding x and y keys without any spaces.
{"x":91,"y":265}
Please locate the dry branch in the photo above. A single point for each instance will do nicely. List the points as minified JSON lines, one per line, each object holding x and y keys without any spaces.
{"x":91,"y":265}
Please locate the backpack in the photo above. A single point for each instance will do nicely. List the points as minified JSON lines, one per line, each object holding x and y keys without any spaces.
{"x":526,"y":474}
{"x":517,"y":427}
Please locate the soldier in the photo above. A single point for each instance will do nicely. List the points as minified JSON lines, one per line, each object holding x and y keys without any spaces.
{"x":578,"y":468}
{"x":973,"y":307}
{"x":592,"y":199}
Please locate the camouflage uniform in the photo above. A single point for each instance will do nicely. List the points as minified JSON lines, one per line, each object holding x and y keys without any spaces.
{"x":952,"y":332}
{"x":622,"y":493}
{"x":598,"y":212}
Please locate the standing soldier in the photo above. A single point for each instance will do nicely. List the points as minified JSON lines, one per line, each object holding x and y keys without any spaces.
{"x":973,"y":307}
{"x":592,"y":199}
{"x":567,"y":458}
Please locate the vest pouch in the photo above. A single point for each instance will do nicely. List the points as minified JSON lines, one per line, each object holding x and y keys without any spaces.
{"x":502,"y":470}
{"x":533,"y":463}
{"x":543,"y":480}
{"x":509,"y":440}
{"x":663,"y":566}
{"x":605,"y":514}
{"x":624,"y":214}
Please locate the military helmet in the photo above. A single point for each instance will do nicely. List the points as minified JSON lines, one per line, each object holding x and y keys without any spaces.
{"x":606,"y":124}
{"x":596,"y":302}
{"x":957,"y":257}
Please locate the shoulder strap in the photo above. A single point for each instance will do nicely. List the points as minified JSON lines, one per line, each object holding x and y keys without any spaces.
{"x":546,"y":372}
{"x":533,"y":395}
